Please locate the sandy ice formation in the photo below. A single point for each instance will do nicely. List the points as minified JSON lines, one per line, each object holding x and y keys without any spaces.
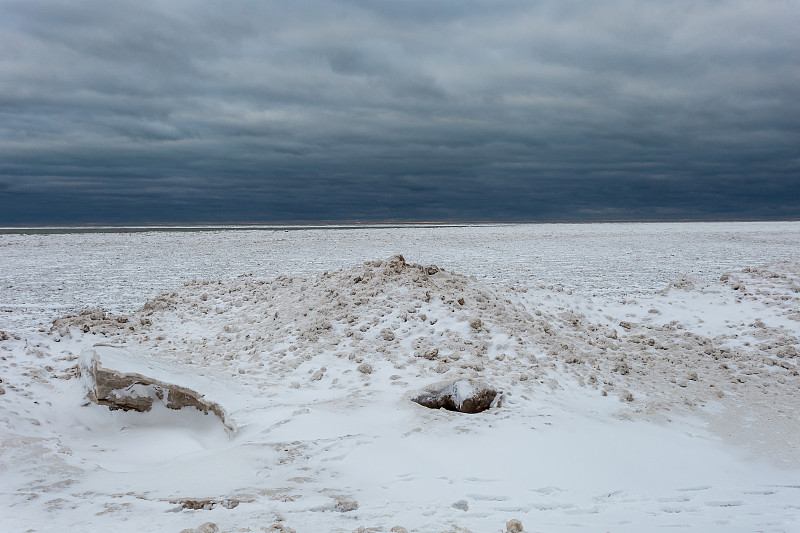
{"x":463,"y":396}
{"x":679,"y":410}
{"x":120,"y":379}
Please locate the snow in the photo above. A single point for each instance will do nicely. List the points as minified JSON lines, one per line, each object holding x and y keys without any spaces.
{"x":655,"y":387}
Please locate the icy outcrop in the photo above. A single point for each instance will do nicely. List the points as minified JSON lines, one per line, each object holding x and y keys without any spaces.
{"x":514,"y":526}
{"x":463,"y":396}
{"x":115,"y":378}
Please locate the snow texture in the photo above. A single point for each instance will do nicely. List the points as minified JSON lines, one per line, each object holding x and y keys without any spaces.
{"x":628,"y":407}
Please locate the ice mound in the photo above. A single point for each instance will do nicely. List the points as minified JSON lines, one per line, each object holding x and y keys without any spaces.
{"x":390,"y":327}
{"x":399,"y":322}
{"x":390,"y":314}
{"x":317,"y":374}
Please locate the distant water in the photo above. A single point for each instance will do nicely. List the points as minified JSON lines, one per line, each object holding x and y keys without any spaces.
{"x":61,"y":230}
{"x":50,"y":271}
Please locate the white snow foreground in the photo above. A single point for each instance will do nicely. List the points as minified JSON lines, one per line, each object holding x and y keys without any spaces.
{"x":622,"y":416}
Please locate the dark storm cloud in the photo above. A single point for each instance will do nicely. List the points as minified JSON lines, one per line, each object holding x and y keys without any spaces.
{"x":316,"y":110}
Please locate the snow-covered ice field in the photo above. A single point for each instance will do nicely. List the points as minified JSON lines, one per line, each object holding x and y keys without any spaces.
{"x":647,"y":378}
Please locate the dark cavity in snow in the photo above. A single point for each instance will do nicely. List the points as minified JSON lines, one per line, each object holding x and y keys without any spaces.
{"x":462,"y":396}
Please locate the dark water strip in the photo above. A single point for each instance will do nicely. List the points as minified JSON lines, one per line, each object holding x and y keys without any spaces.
{"x":194,"y":229}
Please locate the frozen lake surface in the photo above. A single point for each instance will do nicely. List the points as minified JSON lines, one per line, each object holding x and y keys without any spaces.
{"x":43,"y":276}
{"x":637,"y":377}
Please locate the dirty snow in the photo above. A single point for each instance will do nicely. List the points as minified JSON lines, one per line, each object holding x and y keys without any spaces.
{"x":648,"y":372}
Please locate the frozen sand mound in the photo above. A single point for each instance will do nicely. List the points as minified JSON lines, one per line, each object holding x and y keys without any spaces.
{"x":414,"y":321}
{"x":319,"y":374}
{"x":346,"y":328}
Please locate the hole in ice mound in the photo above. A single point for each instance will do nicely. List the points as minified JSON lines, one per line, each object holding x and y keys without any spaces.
{"x":463,"y":396}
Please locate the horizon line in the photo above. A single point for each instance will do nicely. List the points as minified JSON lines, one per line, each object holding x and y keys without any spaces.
{"x":349,"y":224}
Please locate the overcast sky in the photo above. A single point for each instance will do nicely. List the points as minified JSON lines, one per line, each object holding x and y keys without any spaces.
{"x":235,"y":111}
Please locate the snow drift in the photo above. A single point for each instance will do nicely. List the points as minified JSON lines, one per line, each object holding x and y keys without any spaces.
{"x":317,"y":377}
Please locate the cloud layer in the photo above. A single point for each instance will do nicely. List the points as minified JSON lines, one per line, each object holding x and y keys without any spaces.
{"x":159,"y":111}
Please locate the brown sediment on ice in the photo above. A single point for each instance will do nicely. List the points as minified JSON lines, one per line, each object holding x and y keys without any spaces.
{"x":133,"y":391}
{"x":463,"y":396}
{"x":397,"y":320}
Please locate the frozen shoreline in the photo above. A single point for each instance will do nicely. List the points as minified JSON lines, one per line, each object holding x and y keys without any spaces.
{"x":45,"y":276}
{"x":674,"y":406}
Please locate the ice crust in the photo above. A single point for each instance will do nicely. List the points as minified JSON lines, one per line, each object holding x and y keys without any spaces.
{"x":120,"y":378}
{"x":676,"y":408}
